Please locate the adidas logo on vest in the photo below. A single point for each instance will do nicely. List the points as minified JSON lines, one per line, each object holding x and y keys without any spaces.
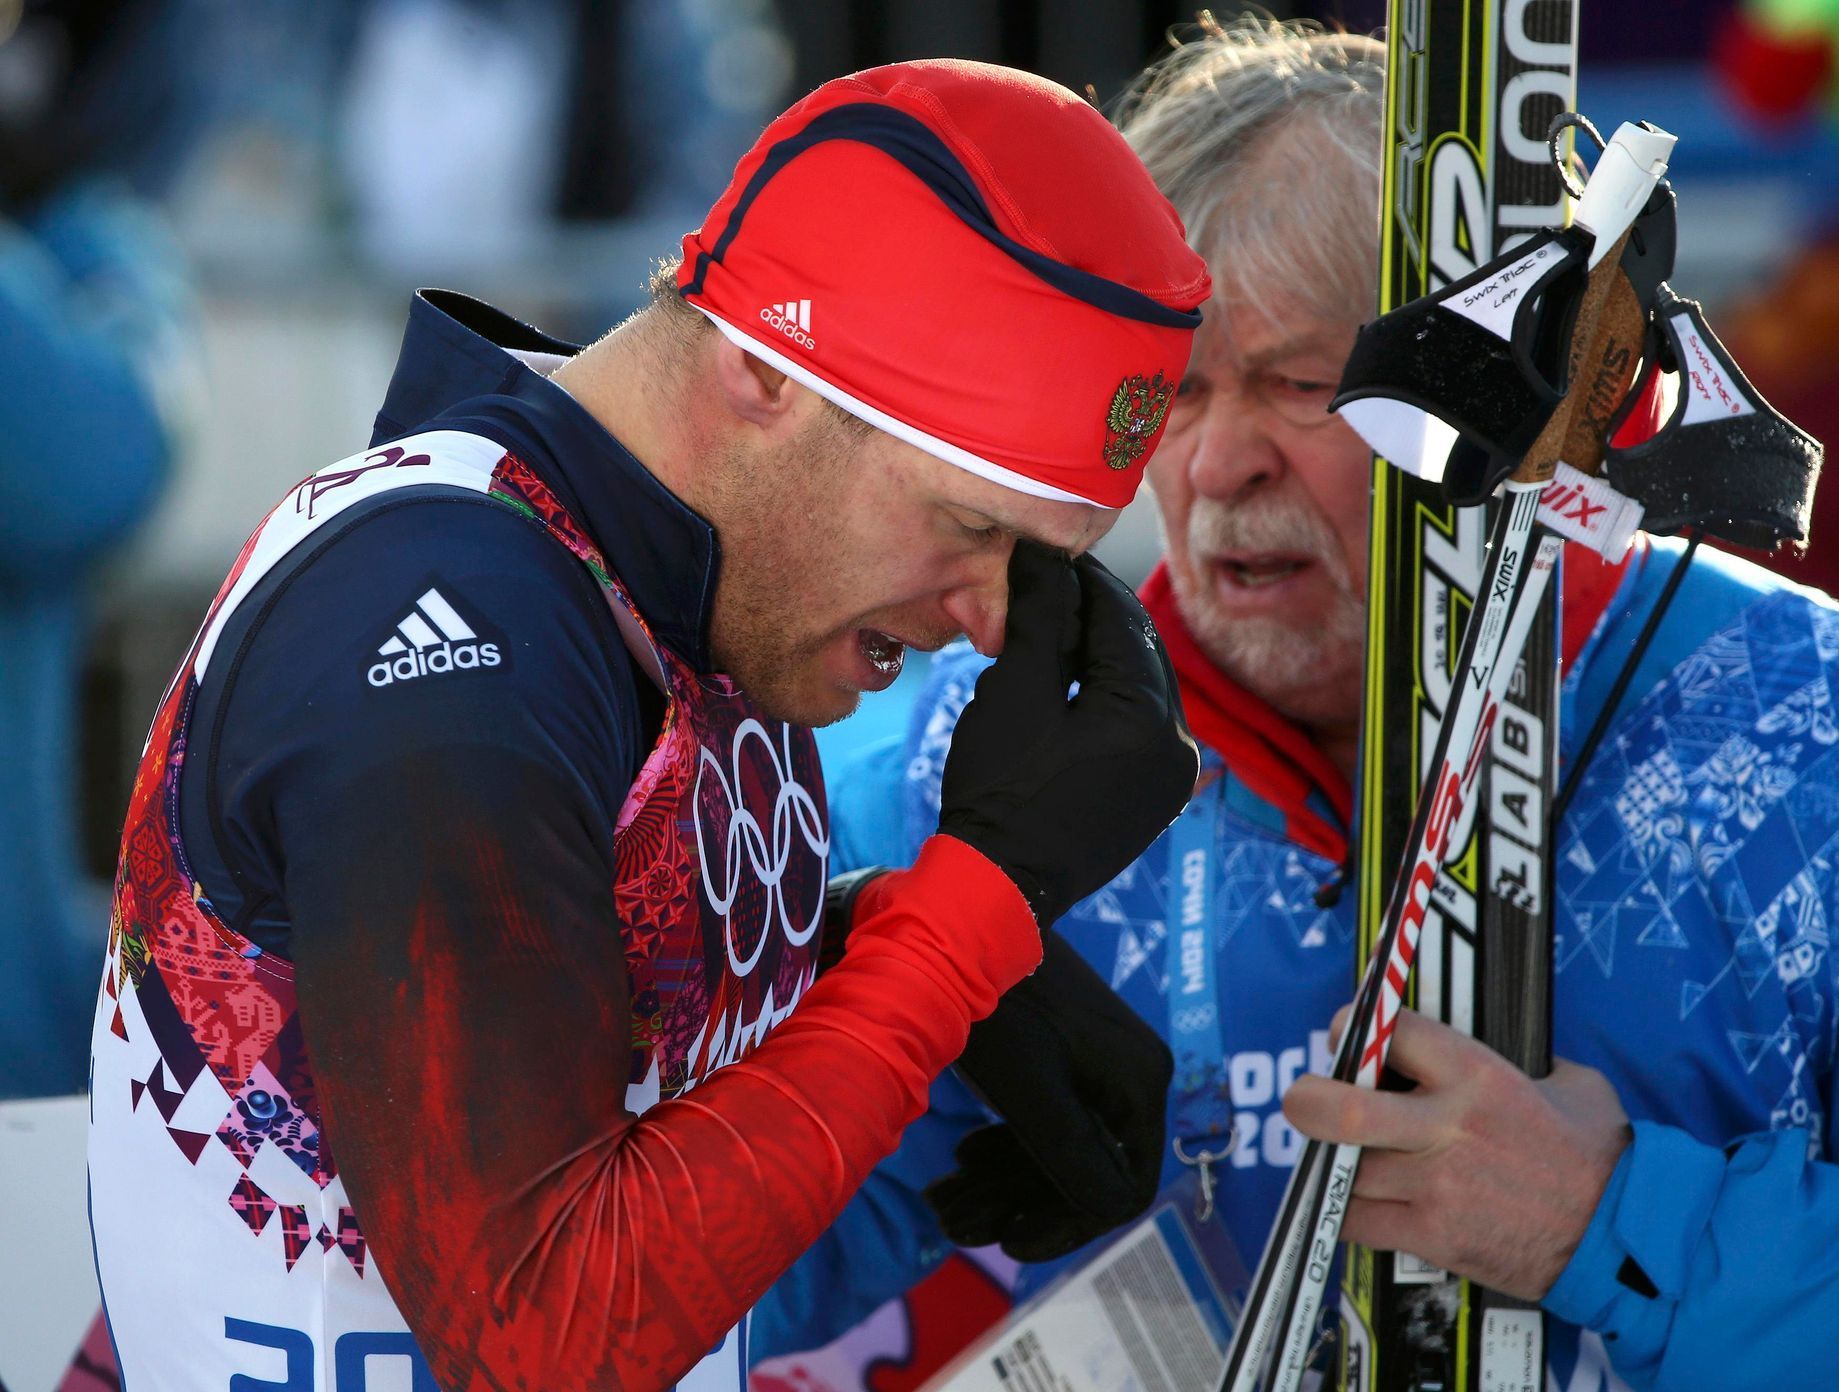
{"x":793,"y":319}
{"x":431,"y":640}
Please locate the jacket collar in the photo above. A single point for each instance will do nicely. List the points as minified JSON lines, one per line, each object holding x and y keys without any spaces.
{"x":1272,"y":757}
{"x":459,"y":370}
{"x":1275,"y":759}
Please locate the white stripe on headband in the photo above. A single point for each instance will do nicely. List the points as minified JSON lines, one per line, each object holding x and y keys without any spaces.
{"x":900,"y":430}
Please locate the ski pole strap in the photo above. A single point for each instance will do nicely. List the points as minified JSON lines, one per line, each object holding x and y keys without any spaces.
{"x":1477,"y":355}
{"x":1202,"y":1086}
{"x":1725,"y":461}
{"x":1527,"y":359}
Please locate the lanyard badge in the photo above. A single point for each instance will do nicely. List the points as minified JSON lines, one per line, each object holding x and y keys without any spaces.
{"x":1203,"y":1099}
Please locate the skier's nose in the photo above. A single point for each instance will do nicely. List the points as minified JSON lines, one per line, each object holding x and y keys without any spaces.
{"x":1233,"y":448}
{"x":978,"y":610}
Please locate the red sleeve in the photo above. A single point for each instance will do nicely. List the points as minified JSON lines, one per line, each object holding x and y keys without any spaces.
{"x":684,"y":1217}
{"x":468,"y":1023}
{"x":658,"y":1239}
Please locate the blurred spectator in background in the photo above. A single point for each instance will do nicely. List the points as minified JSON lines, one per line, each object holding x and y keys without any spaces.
{"x":93,"y":354}
{"x":1776,"y":56}
{"x":471,"y":131}
{"x":1774,"y":59}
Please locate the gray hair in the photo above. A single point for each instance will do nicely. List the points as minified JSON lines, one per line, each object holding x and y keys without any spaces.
{"x":1266,"y":138}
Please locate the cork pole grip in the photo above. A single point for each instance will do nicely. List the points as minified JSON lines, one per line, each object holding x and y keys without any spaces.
{"x":1605,"y":352}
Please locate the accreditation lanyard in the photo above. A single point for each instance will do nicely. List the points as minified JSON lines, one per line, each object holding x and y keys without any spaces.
{"x":1202,"y":1094}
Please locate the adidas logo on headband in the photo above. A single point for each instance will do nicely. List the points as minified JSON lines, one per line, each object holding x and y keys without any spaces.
{"x":793,"y":319}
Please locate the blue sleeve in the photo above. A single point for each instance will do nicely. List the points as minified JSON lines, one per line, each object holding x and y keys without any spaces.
{"x":96,"y":347}
{"x":884,"y":795}
{"x":313,"y":705}
{"x":1705,"y":1267}
{"x":950,"y":682}
{"x":866,"y":825}
{"x":1712,"y":1269}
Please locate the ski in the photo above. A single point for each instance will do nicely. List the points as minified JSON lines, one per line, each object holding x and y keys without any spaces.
{"x":1471,"y":89}
{"x":1280,"y":1315}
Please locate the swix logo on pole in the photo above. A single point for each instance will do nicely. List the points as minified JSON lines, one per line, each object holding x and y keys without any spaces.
{"x":1453,"y":790}
{"x":1503,"y":582}
{"x":793,"y":319}
{"x":1570,"y":502}
{"x":1586,"y":509}
{"x":1605,"y":392}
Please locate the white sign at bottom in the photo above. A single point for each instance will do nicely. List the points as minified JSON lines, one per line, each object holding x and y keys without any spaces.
{"x":1146,"y":1315}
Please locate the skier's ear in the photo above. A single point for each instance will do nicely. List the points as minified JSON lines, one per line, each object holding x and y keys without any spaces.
{"x":752,"y":389}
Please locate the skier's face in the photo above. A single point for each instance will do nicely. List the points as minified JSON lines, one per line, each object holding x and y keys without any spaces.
{"x":841,"y":549}
{"x":1263,"y":496}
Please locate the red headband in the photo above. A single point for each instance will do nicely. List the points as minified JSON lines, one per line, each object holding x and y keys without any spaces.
{"x":969,"y":258}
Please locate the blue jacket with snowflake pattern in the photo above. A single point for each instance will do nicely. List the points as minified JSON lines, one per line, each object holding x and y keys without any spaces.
{"x":1698,"y":871}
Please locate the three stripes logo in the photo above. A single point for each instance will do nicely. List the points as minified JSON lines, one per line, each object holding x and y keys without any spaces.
{"x":431,"y":640}
{"x":793,"y":319}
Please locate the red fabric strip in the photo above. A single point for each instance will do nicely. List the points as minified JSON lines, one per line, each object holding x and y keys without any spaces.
{"x":1267,"y":753}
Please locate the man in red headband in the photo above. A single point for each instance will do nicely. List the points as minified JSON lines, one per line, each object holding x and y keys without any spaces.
{"x":461,"y":1021}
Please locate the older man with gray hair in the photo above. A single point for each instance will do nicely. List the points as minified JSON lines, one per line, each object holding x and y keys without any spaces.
{"x":1695,"y":990}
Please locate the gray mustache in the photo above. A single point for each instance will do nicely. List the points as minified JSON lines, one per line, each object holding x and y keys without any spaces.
{"x":1274,"y":526}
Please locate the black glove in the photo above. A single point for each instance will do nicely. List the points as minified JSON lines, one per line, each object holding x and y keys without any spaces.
{"x":1063,"y":794}
{"x":1083,"y":1085}
{"x":840,"y":896}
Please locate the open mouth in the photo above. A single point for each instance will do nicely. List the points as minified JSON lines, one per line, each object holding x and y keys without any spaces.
{"x":884,"y":653}
{"x":1257,"y":572}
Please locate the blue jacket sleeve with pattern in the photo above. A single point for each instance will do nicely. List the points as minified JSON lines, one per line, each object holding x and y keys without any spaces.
{"x":1712,"y":1260}
{"x":1706,"y":1268}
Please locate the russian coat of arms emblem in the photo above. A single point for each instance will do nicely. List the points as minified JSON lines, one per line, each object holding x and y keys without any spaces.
{"x":1134,"y":418}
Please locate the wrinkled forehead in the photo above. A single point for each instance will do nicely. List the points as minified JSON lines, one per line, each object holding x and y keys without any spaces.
{"x":1277,"y":329}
